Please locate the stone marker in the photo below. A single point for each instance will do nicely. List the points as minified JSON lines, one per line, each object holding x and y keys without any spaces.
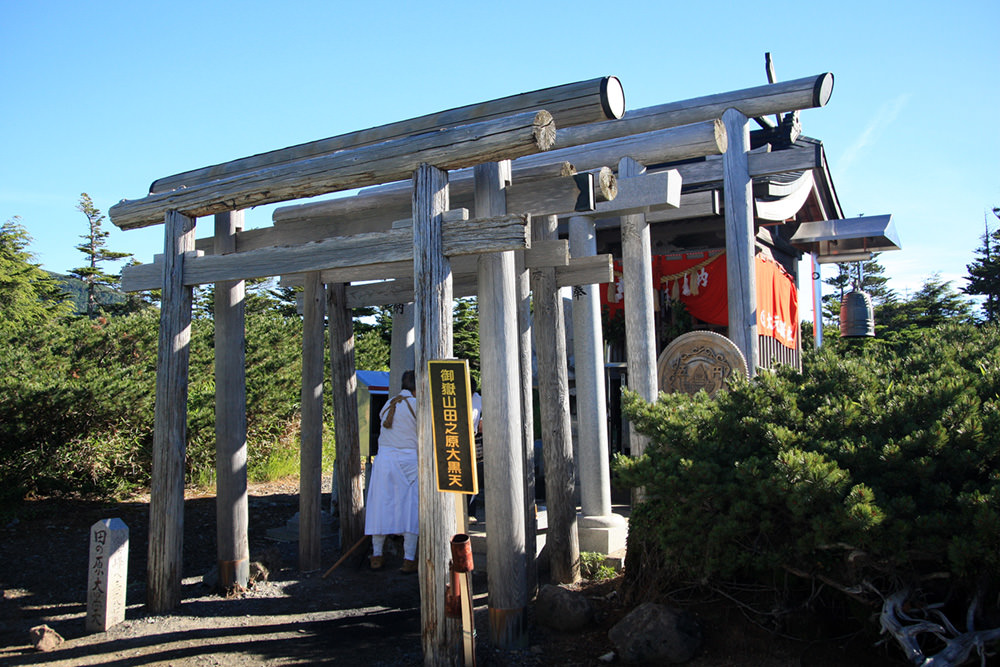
{"x":107,"y":576}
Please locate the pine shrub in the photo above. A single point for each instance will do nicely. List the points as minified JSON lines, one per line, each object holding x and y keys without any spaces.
{"x":879,"y":462}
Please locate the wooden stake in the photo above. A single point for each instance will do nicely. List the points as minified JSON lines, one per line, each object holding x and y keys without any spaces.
{"x":364,"y":538}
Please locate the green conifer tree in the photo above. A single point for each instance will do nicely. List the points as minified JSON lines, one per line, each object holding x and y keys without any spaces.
{"x":984,"y":272}
{"x":94,"y":247}
{"x":28,"y":294}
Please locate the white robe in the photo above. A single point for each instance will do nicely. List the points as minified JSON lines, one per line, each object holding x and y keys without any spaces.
{"x":392,"y":507}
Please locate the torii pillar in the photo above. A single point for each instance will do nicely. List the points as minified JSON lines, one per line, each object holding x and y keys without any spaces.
{"x":637,"y":280}
{"x":742,"y":283}
{"x":599,"y":529}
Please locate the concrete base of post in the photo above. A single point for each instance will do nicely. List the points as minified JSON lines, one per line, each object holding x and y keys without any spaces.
{"x":602,"y":534}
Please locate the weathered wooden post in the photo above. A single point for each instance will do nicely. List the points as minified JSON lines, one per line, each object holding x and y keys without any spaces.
{"x":232,"y":543}
{"x":166,"y":495}
{"x":401,"y":347}
{"x":311,"y":446}
{"x":741,"y":282}
{"x":599,"y":529}
{"x":502,"y":453}
{"x":523,"y":277}
{"x":637,"y":281}
{"x":440,"y":637}
{"x":345,"y":416}
{"x":553,"y":397}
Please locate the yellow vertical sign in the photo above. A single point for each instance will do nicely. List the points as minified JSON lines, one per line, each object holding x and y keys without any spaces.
{"x":451,"y":405}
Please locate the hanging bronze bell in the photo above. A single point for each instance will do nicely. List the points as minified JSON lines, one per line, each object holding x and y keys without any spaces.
{"x":857,"y":315}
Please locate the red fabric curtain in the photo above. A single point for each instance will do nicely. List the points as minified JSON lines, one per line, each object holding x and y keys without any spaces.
{"x":777,"y":303}
{"x":699,"y":281}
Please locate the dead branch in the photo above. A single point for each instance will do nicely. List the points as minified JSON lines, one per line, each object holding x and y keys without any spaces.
{"x":906,"y":630}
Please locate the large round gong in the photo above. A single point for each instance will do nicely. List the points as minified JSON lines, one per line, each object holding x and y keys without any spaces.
{"x":699,"y":360}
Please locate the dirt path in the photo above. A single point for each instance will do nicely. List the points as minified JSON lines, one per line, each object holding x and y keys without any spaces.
{"x":353,"y":617}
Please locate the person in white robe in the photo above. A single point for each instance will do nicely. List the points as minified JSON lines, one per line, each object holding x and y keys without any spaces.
{"x":392,"y":506}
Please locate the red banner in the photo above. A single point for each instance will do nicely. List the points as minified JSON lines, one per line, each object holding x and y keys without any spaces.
{"x":777,"y":303}
{"x":699,"y":281}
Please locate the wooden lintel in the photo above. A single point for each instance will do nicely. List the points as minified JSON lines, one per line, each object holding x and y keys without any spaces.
{"x":394,"y":246}
{"x":579,"y":271}
{"x":586,"y":271}
{"x":805,"y":93}
{"x":570,"y":104}
{"x":693,"y":205}
{"x":761,"y":164}
{"x":638,"y":194}
{"x":546,"y":196}
{"x":540,"y":254}
{"x":453,"y":148}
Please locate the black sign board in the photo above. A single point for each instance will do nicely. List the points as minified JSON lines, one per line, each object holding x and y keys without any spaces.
{"x":451,"y":405}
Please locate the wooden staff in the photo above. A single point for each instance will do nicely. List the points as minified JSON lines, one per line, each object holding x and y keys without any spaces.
{"x":346,"y":554}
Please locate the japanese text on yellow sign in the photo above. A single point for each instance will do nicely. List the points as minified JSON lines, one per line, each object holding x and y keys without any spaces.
{"x":454,"y":447}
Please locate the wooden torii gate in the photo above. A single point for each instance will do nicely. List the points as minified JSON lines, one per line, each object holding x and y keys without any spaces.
{"x":445,"y":142}
{"x":308,"y":171}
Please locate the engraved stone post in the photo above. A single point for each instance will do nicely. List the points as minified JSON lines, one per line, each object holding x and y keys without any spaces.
{"x":107,"y":576}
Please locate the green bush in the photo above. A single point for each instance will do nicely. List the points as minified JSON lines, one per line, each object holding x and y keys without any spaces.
{"x":77,"y":403}
{"x":880,"y":461}
{"x":593,"y":567}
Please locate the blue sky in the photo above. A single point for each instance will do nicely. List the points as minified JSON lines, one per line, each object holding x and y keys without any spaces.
{"x":105,"y":97}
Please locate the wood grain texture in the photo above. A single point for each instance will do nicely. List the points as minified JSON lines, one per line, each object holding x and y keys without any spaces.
{"x":693,"y":205}
{"x":502,"y":455}
{"x":373,"y":249}
{"x":232,"y":518}
{"x":440,"y":636}
{"x":553,"y":395}
{"x":311,"y":445}
{"x":655,"y":147}
{"x":540,"y":254}
{"x":344,"y":381}
{"x":605,"y":184}
{"x":570,"y":104}
{"x":637,"y":281}
{"x":738,"y":199}
{"x":639,"y":194}
{"x":164,"y":565}
{"x":667,"y":145}
{"x":577,"y":271}
{"x":395,"y":198}
{"x":585,"y":271}
{"x":453,"y":148}
{"x":523,"y":277}
{"x":591,"y":402}
{"x":805,"y":93}
{"x":538,"y":197}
